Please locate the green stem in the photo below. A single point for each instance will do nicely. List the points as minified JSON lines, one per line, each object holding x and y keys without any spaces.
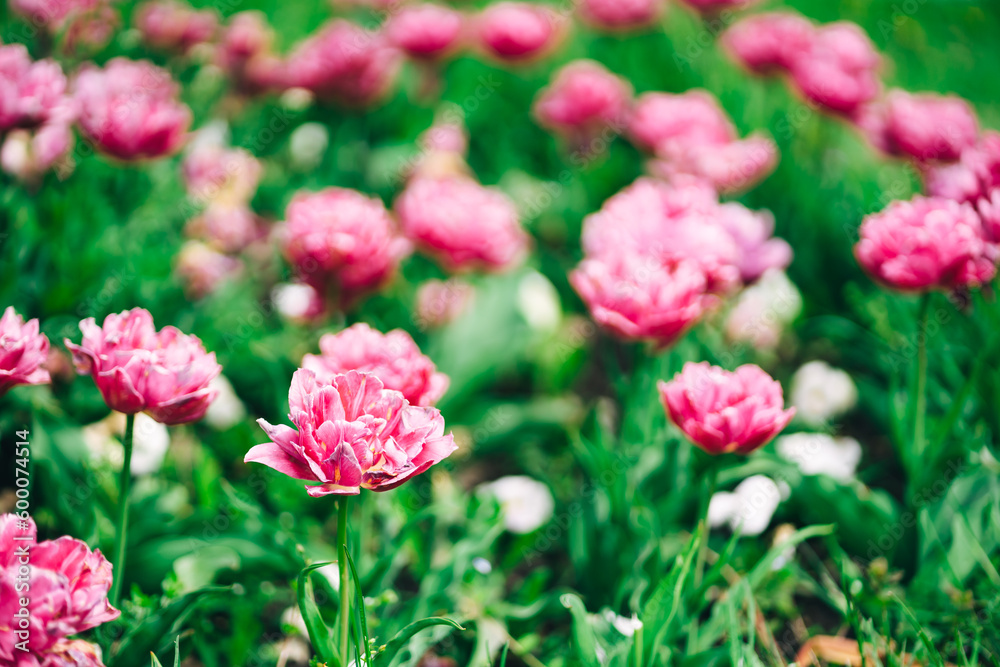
{"x":345,"y":587}
{"x":920,"y":404}
{"x":699,"y":567}
{"x":121,"y":536}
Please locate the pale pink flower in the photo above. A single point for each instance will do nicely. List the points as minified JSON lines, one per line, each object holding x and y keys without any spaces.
{"x":752,"y":231}
{"x":23,"y":350}
{"x":227,"y":228}
{"x":642,"y":297}
{"x":139,"y":369}
{"x":621,"y":14}
{"x":69,"y":586}
{"x":840,"y":69}
{"x":26,"y":154}
{"x":464,"y":224}
{"x":244,"y":52}
{"x":202,"y":269}
{"x":445,"y":137}
{"x":926,"y":126}
{"x":769,"y":41}
{"x":426,"y":31}
{"x":516,"y":31}
{"x":584,"y":100}
{"x":130,"y":109}
{"x":725,"y":412}
{"x":54,"y":14}
{"x":31,"y":93}
{"x":717,"y":5}
{"x":440,"y":302}
{"x":218,"y":174}
{"x":730,"y":168}
{"x":171,"y":25}
{"x":341,"y":239}
{"x":352,"y":434}
{"x":392,"y":357}
{"x":345,"y":63}
{"x":973,"y":177}
{"x":663,"y":122}
{"x":925,"y":243}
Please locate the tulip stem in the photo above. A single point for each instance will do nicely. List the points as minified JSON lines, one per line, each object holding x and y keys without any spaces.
{"x":345,"y":616}
{"x":121,"y":535}
{"x":703,"y":529}
{"x":920,"y":403}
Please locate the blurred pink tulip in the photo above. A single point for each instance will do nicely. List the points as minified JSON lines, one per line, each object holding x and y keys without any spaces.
{"x":139,"y":369}
{"x":718,"y":5}
{"x":219,"y":174}
{"x":440,"y":302}
{"x":975,"y":176}
{"x":226,"y":227}
{"x":926,"y":126}
{"x":31,"y":92}
{"x":517,"y":31}
{"x":583,"y":101}
{"x":342,"y":240}
{"x":391,"y":357}
{"x":840,"y":69}
{"x":170,"y":25}
{"x":752,"y":231}
{"x":69,"y":586}
{"x":725,"y":412}
{"x":202,"y":269}
{"x":130,"y":109}
{"x":621,"y":14}
{"x":774,"y":40}
{"x":926,"y":243}
{"x":23,"y":350}
{"x":54,"y":14}
{"x":464,"y":224}
{"x":352,"y":434}
{"x":27,"y":155}
{"x":426,"y":31}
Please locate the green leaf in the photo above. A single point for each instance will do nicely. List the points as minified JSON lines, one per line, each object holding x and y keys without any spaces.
{"x":319,"y":633}
{"x":583,"y":632}
{"x":398,"y":643}
{"x":360,"y":600}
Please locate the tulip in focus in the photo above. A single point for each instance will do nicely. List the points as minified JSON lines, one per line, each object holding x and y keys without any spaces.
{"x":769,"y":41}
{"x":130,"y":109}
{"x":620,"y":14}
{"x":924,"y":244}
{"x":170,"y":25}
{"x":722,"y":411}
{"x":426,"y":31}
{"x":518,"y":31}
{"x":464,"y":224}
{"x":583,"y":102}
{"x":352,"y":434}
{"x":164,"y":373}
{"x":391,"y":357}
{"x":23,"y":350}
{"x":68,"y":586}
{"x":341,"y":240}
{"x":821,"y":392}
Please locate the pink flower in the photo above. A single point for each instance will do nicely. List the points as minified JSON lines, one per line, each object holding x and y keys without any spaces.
{"x":515,"y":31}
{"x":352,"y":434}
{"x":139,"y":369}
{"x":758,"y":250}
{"x":26,"y":155}
{"x":425,"y":31}
{"x":130,"y":109}
{"x":621,"y":14}
{"x":392,"y":357}
{"x":218,"y":174}
{"x":23,"y":350}
{"x":716,"y":5}
{"x":345,"y":63}
{"x":730,"y":168}
{"x":440,"y":302}
{"x":768,"y":41}
{"x":722,"y":411}
{"x":663,"y":122}
{"x":975,"y":176}
{"x":244,"y":52}
{"x":226,"y":227}
{"x":463,"y":223}
{"x":203,"y":270}
{"x":584,"y":100}
{"x":170,"y":25}
{"x":31,"y":93}
{"x":342,"y":239}
{"x":926,"y":126}
{"x":840,"y":69}
{"x":69,"y":586}
{"x":989,"y":213}
{"x":54,"y":14}
{"x":445,"y":137}
{"x":643,"y":297}
{"x":925,"y":243}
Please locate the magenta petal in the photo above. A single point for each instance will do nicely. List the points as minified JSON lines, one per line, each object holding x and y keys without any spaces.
{"x":274,"y":457}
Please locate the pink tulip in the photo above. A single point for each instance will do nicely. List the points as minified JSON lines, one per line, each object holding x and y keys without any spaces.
{"x":758,"y":250}
{"x":130,"y":109}
{"x":170,"y":25}
{"x":139,"y":369}
{"x":244,"y":52}
{"x":440,"y":302}
{"x":664,"y":122}
{"x":769,"y":41}
{"x":425,"y":31}
{"x":584,"y":101}
{"x":463,"y":223}
{"x":341,"y":239}
{"x":23,"y":350}
{"x":69,"y":586}
{"x":718,"y":5}
{"x":989,"y":213}
{"x":345,"y":63}
{"x":517,"y":31}
{"x":445,"y":137}
{"x":219,"y":174}
{"x":352,"y":434}
{"x":227,"y":228}
{"x":730,"y":168}
{"x":202,"y":269}
{"x":31,"y":93}
{"x":973,"y":177}
{"x":925,"y":243}
{"x":722,"y":411}
{"x":26,"y":155}
{"x":840,"y":69}
{"x":54,"y":14}
{"x":621,"y":14}
{"x":392,"y":357}
{"x":643,"y":297}
{"x":926,"y":127}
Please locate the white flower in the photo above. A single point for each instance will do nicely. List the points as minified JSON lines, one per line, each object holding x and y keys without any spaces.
{"x":150,"y":441}
{"x":294,"y":301}
{"x":525,"y":503}
{"x":820,"y":392}
{"x":227,"y":409}
{"x":213,"y":134}
{"x":623,"y":624}
{"x":763,"y":310}
{"x":748,"y":508}
{"x":307,"y":145}
{"x":538,"y":302}
{"x":821,"y":454}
